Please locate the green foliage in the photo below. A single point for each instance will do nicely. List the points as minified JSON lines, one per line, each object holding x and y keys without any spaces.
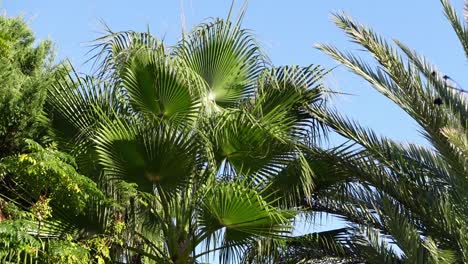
{"x":41,"y":190}
{"x":16,"y":242}
{"x":410,"y":196}
{"x":50,"y":174}
{"x":25,"y":74}
{"x":333,"y":246}
{"x":67,"y":252}
{"x":189,"y":140}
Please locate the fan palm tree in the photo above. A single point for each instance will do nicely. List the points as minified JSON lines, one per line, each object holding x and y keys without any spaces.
{"x":192,"y":143}
{"x":405,"y":203}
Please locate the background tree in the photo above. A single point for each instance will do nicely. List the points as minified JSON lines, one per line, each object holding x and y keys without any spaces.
{"x":37,"y":182}
{"x":26,"y":71}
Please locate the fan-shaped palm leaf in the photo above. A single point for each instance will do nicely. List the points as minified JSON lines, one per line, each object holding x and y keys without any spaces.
{"x":242,"y":213}
{"x":226,"y":57}
{"x":162,"y":88}
{"x":150,"y":156}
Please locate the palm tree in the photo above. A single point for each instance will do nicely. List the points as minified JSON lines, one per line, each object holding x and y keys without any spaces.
{"x":405,"y":203}
{"x":192,"y":144}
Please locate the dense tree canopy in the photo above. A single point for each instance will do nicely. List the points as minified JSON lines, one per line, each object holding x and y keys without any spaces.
{"x":178,"y":153}
{"x":35,"y":177}
{"x":25,"y":74}
{"x":189,"y":147}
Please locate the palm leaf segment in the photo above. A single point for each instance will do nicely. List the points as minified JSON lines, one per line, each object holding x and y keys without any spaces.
{"x":226,"y":57}
{"x":333,"y":246}
{"x":162,"y":87}
{"x":150,"y":155}
{"x":243,"y":214}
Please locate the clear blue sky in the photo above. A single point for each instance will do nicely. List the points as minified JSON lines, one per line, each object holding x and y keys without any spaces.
{"x":287,"y":31}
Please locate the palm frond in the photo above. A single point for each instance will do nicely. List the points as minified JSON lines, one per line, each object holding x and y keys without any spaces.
{"x":161,"y":88}
{"x":233,"y":215}
{"x":284,"y":94}
{"x":407,"y":192}
{"x":372,"y":246}
{"x":226,"y":57}
{"x":112,"y":51}
{"x":147,"y":155}
{"x":459,"y":26}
